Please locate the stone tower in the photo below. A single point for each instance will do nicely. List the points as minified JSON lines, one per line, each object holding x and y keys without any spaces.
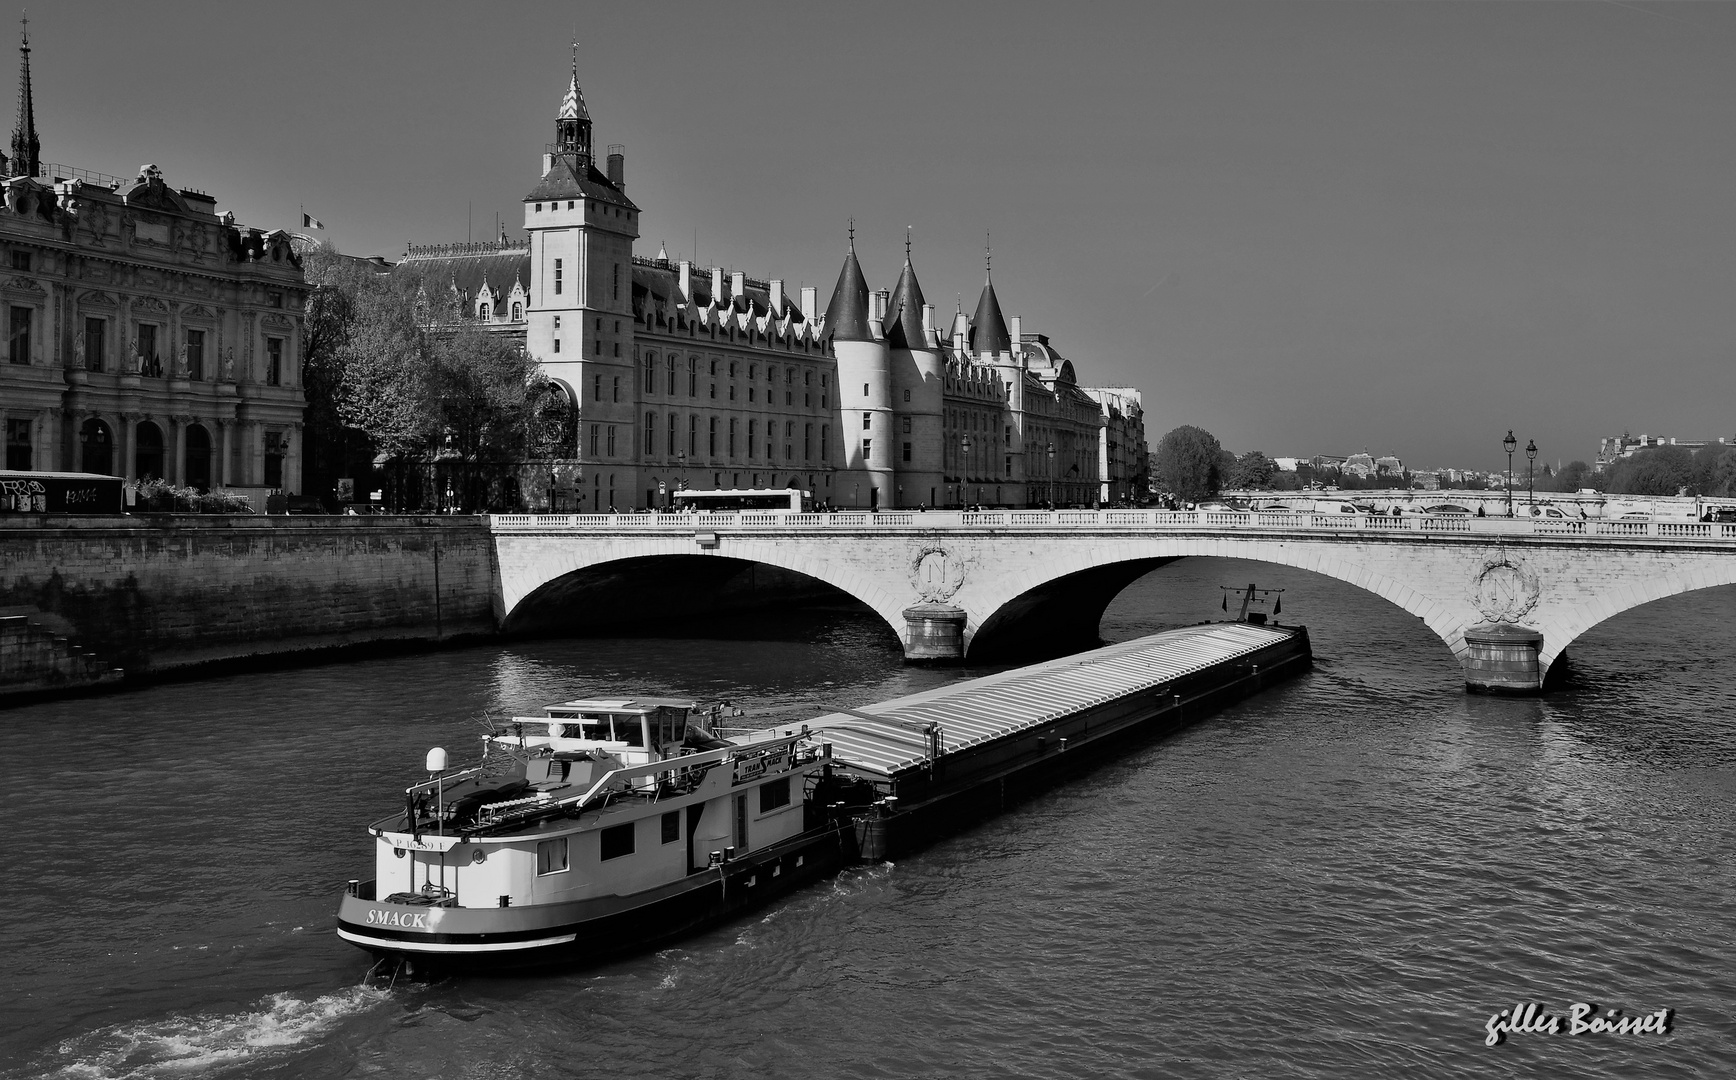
{"x":867,"y":423}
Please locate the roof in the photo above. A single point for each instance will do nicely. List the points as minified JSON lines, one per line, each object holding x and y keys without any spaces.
{"x":468,"y":273}
{"x":571,"y":176}
{"x":573,"y":104}
{"x":904,"y":312}
{"x":623,"y":705}
{"x":887,"y":738}
{"x":847,"y":314}
{"x":991,"y":329}
{"x":663,"y":283}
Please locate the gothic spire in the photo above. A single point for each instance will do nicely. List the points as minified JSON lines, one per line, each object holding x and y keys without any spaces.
{"x":26,"y":147}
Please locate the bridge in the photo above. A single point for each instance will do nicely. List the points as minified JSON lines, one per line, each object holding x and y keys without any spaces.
{"x":1507,"y":596}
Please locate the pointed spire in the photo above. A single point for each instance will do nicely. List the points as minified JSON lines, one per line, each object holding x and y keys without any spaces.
{"x":991,"y":329}
{"x":904,"y":308}
{"x":847,"y":314}
{"x":26,"y":148}
{"x":662,"y":251}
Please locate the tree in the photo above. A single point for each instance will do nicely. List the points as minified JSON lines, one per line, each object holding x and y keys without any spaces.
{"x":1253,"y":470}
{"x":1573,"y":476}
{"x":1187,"y":464}
{"x":1660,"y":470}
{"x":364,"y":366}
{"x":1714,"y":471}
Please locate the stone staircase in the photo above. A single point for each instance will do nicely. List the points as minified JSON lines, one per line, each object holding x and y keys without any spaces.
{"x":34,"y":659}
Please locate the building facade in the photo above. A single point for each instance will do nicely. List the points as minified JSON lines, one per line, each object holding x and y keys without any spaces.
{"x":683,"y":376}
{"x":147,"y":335}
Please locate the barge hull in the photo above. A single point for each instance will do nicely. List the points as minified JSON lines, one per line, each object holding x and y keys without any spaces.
{"x":592,"y":932}
{"x":954,"y":790}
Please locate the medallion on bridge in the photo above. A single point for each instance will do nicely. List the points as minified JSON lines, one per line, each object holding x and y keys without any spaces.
{"x":937,"y":574}
{"x":1504,"y":590}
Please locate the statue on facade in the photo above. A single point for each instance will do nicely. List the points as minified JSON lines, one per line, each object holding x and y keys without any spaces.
{"x":181,"y":362}
{"x":135,"y":359}
{"x":229,"y":364}
{"x":78,"y":352}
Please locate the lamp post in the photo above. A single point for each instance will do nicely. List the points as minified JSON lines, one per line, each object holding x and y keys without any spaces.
{"x":1530,"y":467}
{"x":964,"y":473}
{"x":1051,"y":476}
{"x":1510,"y":443}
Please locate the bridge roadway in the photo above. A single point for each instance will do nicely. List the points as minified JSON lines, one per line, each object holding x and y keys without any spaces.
{"x":1507,"y":596}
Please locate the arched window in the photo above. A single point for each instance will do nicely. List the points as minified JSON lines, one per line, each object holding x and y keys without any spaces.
{"x":517,"y":312}
{"x":97,"y":447}
{"x":198,"y":458}
{"x":148,"y":451}
{"x":482,"y":311}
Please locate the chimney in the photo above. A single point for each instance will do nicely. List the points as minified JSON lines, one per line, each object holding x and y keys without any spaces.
{"x":809,"y":293}
{"x":882,"y":300}
{"x":777,"y":298}
{"x":737,"y":284}
{"x":717,"y":285}
{"x":548,"y":163}
{"x":1014,"y":327}
{"x":686,"y":279}
{"x":618,"y":167}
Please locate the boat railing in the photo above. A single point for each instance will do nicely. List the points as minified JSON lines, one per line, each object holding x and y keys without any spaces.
{"x":620,"y":781}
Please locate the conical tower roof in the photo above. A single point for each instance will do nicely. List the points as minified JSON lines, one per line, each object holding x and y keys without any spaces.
{"x":904,"y":312}
{"x":991,"y":329}
{"x":847,"y":314}
{"x":573,"y":104}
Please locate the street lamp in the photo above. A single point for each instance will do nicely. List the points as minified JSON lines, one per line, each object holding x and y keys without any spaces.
{"x":1051,"y":476}
{"x":964,"y":475}
{"x":1530,"y":466}
{"x":1510,"y":443}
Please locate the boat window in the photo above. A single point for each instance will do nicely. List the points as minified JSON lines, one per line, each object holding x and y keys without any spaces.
{"x":774,"y":794}
{"x":551,"y":856}
{"x":671,"y":826}
{"x":617,"y":841}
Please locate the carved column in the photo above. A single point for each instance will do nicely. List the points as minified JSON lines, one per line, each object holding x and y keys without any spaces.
{"x":178,"y":466}
{"x":220,"y":475}
{"x":128,"y":444}
{"x":292,"y":462}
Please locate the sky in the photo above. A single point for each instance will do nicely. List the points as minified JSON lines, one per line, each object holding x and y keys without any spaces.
{"x":1305,"y":227}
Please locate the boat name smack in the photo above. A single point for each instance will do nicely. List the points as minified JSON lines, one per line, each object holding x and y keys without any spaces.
{"x":404,"y":920}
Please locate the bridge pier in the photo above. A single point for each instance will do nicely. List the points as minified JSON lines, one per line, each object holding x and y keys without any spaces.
{"x":934,"y":632}
{"x":1501,"y":658}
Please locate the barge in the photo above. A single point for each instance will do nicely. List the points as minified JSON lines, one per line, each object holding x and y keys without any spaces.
{"x":606,"y":826}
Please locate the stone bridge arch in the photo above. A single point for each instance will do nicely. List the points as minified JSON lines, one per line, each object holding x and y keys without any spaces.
{"x":535,"y":568}
{"x":1101,"y":571}
{"x":1566,"y":628}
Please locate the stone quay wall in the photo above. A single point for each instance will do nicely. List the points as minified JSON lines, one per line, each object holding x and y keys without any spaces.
{"x":153,"y":593}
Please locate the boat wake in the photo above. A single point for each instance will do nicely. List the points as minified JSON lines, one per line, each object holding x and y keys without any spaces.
{"x":182,"y":1046}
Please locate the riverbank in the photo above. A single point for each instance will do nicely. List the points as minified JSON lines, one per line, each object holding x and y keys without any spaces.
{"x":155,"y":594}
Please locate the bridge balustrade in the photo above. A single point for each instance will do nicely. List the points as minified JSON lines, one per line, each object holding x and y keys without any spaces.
{"x":1120,"y":520}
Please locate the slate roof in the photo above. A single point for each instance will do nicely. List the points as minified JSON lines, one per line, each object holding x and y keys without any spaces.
{"x":990,"y":335}
{"x":567,"y":180}
{"x":468,"y":273}
{"x":847,"y":314}
{"x":904,"y":313}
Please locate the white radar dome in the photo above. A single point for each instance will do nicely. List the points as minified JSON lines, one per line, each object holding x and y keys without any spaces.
{"x":437,"y":759}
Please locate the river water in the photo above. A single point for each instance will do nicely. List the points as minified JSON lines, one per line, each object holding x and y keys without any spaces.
{"x":1344,"y":877}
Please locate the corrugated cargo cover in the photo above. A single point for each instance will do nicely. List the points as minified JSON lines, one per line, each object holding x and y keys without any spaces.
{"x":888,"y":737}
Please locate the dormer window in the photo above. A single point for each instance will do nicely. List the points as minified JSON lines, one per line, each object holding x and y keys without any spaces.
{"x":483,"y":311}
{"x":517,"y":312}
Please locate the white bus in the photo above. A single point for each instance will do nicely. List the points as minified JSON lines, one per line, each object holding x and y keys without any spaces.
{"x":775,"y":500}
